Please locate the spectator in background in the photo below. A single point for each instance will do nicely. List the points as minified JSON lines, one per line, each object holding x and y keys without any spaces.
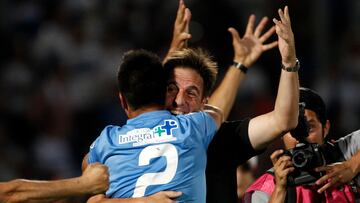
{"x":268,"y":188}
{"x":245,"y":176}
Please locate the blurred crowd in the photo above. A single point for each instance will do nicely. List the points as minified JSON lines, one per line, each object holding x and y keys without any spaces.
{"x":59,"y":62}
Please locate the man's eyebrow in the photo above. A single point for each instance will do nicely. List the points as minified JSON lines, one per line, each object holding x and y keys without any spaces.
{"x":193,"y":87}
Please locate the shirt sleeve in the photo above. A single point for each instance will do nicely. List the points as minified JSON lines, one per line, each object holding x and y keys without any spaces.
{"x":256,"y":197}
{"x":205,"y":124}
{"x":349,"y":144}
{"x":99,"y":146}
{"x":231,"y":146}
{"x":93,"y":154}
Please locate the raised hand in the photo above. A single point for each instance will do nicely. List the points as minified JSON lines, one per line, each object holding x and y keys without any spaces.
{"x":250,"y":47}
{"x":286,"y":39}
{"x":181,"y":29}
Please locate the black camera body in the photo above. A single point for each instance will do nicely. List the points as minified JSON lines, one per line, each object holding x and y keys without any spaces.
{"x":305,"y":157}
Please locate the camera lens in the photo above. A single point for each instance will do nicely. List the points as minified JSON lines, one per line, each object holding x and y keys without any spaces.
{"x":299,"y":159}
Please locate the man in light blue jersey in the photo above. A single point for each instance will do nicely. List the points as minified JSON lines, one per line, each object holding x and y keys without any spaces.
{"x":155,"y":151}
{"x":235,"y":142}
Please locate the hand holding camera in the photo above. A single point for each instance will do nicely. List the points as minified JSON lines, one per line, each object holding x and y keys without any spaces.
{"x":305,"y":157}
{"x":282,"y":168}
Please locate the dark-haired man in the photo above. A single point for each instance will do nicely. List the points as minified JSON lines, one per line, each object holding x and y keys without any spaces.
{"x":189,"y":90}
{"x":155,"y":150}
{"x":230,"y":149}
{"x":273,"y":187}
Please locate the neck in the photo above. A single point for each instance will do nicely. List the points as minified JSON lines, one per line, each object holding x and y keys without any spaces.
{"x":149,"y":108}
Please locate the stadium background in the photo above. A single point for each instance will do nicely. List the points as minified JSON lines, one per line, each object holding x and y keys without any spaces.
{"x":59,"y":62}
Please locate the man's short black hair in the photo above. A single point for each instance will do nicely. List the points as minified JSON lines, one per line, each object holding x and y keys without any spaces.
{"x":142,"y":79}
{"x":314,"y":102}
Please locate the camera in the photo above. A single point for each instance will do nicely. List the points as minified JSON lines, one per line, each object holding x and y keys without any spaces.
{"x":305,"y":156}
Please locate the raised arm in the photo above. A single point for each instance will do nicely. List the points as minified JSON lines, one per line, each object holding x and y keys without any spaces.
{"x":265,"y":128}
{"x":246,"y":52}
{"x":93,"y":181}
{"x":181,"y":29}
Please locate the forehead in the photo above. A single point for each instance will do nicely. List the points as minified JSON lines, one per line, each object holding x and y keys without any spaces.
{"x":186,"y":77}
{"x":311,"y":115}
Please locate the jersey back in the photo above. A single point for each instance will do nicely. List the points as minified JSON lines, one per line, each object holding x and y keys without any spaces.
{"x":154,"y":152}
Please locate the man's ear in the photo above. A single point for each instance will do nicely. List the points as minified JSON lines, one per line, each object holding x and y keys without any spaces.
{"x":123,"y":102}
{"x":326,"y":128}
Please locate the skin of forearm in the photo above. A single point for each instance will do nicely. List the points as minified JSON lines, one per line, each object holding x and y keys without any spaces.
{"x":286,"y":109}
{"x":265,"y":128}
{"x":43,"y":191}
{"x":278,"y":195}
{"x":224,"y":96}
{"x":354,"y":163}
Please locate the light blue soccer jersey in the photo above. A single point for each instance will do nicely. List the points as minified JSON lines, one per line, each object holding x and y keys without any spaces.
{"x":156,"y":151}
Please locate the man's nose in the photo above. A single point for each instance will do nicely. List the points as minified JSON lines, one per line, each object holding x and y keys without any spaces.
{"x":180,"y":99}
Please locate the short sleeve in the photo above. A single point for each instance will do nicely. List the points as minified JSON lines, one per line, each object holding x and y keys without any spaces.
{"x":99,"y":147}
{"x":93,"y":154}
{"x":256,"y":197}
{"x":231,"y":146}
{"x":205,"y":124}
{"x":350,"y":144}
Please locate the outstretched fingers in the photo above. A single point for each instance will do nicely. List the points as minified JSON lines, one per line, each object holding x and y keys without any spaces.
{"x":267,"y":34}
{"x":271,"y":45}
{"x":286,"y":13}
{"x":235,"y":35}
{"x":180,"y":11}
{"x":187,"y":19}
{"x":283,"y":30}
{"x":250,"y":25}
{"x":275,"y":155}
{"x":260,"y":27}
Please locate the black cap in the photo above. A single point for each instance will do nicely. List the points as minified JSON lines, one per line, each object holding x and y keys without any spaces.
{"x":314,"y":102}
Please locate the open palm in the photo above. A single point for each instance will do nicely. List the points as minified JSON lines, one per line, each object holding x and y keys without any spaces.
{"x":249,"y":48}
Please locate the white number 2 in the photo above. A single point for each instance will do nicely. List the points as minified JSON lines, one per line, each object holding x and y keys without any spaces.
{"x":170,"y":153}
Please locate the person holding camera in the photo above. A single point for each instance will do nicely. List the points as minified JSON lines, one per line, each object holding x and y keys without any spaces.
{"x":297,"y":175}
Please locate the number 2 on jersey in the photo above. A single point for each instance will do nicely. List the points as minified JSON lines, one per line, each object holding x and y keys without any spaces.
{"x":170,"y":153}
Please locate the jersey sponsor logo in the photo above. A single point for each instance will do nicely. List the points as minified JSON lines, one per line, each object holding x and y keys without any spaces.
{"x":143,"y":136}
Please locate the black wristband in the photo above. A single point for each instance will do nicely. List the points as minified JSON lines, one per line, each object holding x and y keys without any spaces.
{"x":240,"y":66}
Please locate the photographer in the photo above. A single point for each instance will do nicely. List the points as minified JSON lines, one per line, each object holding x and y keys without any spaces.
{"x":284,"y":184}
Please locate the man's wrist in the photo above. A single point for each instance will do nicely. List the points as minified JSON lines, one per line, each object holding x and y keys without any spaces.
{"x":291,"y":66}
{"x":353,"y":165}
{"x":289,"y":61}
{"x":82,"y":186}
{"x":280,"y":188}
{"x":240,"y":66}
